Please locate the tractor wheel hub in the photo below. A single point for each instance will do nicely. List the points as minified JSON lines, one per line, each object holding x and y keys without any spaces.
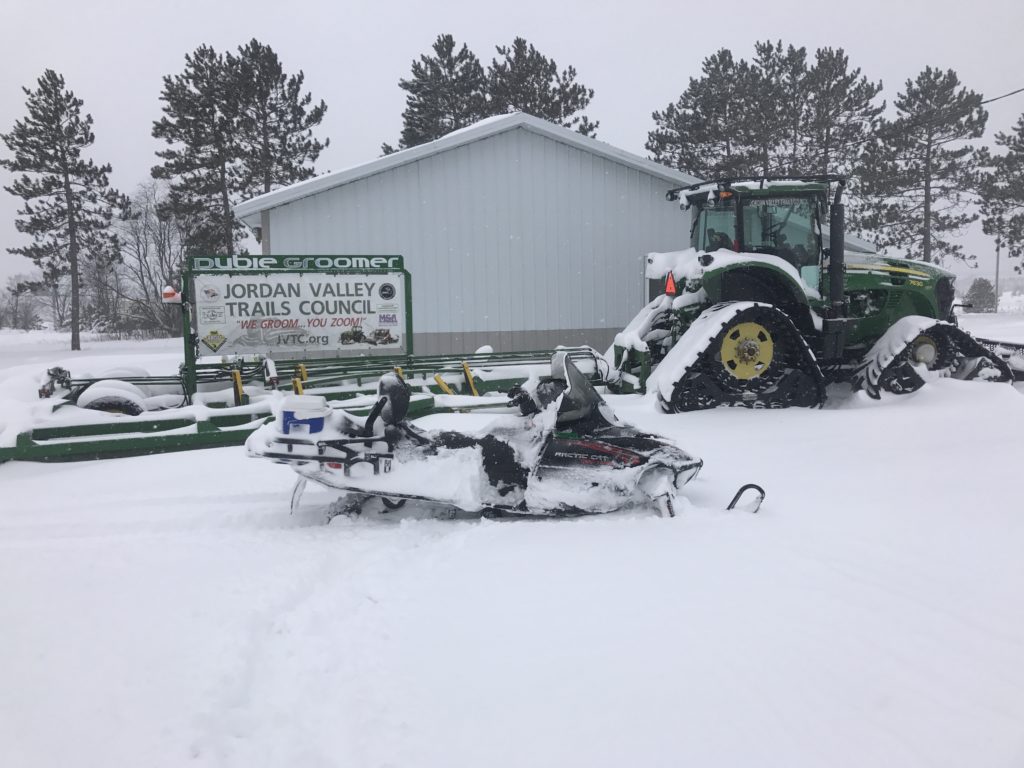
{"x":925,"y":351}
{"x":747,"y":350}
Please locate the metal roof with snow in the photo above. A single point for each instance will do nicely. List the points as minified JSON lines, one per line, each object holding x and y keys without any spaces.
{"x":249,"y":210}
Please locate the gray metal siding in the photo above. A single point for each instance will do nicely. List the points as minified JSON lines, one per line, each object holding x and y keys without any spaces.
{"x":509,"y":239}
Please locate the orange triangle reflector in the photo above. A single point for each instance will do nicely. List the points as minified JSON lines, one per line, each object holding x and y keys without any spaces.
{"x":670,"y":285}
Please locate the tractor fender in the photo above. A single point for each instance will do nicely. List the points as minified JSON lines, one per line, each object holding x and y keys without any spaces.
{"x":760,"y":280}
{"x":764,"y":281}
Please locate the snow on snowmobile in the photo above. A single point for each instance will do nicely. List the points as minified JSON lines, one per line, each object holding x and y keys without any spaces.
{"x":564,"y":454}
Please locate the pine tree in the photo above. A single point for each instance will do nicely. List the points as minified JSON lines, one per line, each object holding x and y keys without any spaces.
{"x":773,"y":94}
{"x":790,"y":155}
{"x":840,"y":115}
{"x":202,"y":123}
{"x":981,"y":296}
{"x":525,"y":80}
{"x":275,"y":120}
{"x":773,"y":115}
{"x":739,"y":118}
{"x":698,"y":134}
{"x":69,"y":203}
{"x":446,"y":91}
{"x":1002,"y":192}
{"x":238,"y":126}
{"x":919,"y":173}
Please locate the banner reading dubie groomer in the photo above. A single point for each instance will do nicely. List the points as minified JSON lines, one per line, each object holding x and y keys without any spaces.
{"x":300,"y":306}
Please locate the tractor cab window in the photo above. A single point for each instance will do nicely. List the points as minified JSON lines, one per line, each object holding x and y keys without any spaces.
{"x":714,"y":225}
{"x":786,"y":227}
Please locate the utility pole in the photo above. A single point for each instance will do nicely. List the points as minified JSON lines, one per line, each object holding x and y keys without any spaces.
{"x":1000,"y":227}
{"x":999,"y":243}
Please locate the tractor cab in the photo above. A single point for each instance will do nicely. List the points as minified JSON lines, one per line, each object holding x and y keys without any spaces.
{"x":780,"y":217}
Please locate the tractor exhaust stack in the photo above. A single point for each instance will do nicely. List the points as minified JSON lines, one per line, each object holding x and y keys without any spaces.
{"x":837,"y":253}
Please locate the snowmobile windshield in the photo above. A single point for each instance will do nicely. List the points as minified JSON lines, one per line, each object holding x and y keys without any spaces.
{"x":580,"y":400}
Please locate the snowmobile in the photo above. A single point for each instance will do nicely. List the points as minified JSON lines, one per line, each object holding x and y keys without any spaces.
{"x":564,"y":453}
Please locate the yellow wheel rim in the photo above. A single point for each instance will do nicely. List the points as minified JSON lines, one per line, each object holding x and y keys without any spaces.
{"x":924,"y":350}
{"x":747,"y":350}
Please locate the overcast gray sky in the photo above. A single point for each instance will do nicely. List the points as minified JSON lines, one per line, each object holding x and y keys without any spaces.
{"x":637,"y":56}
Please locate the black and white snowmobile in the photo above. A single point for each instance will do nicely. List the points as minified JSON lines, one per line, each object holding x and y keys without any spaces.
{"x":564,"y":453}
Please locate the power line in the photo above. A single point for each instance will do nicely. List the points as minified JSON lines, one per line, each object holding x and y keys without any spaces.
{"x":997,"y":98}
{"x":937,"y":116}
{"x":898,"y":128}
{"x":910,"y":125}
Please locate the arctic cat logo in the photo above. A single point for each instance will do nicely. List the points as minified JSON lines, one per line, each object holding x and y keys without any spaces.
{"x":592,"y":452}
{"x":292,"y":263}
{"x":214,"y":340}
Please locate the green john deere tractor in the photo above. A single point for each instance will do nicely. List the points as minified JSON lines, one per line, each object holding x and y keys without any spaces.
{"x":767,"y":307}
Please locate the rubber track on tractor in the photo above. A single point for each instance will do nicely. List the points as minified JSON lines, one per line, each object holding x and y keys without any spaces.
{"x":793,"y":378}
{"x":889,"y":365}
{"x":1009,"y":352}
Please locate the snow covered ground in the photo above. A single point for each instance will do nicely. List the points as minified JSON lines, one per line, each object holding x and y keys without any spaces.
{"x":1011,"y":302}
{"x":1002,"y":326}
{"x":167,"y":610}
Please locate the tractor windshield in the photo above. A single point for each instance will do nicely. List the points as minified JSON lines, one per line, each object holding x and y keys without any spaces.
{"x":784,"y":226}
{"x":714,"y":225}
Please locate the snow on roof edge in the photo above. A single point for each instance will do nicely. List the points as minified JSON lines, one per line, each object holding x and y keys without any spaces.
{"x":491,"y":126}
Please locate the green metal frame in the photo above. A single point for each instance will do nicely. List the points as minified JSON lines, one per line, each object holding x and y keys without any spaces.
{"x":336,"y":378}
{"x":136,"y":439}
{"x":139,"y":436}
{"x":144,"y":437}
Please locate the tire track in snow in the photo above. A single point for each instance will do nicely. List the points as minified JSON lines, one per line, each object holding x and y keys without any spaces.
{"x":313,"y":683}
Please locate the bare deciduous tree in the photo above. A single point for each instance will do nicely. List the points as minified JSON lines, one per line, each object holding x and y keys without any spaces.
{"x":153,"y":245}
{"x":20,"y":304}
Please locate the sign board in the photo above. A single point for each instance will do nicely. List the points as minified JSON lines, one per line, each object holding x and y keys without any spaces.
{"x":301,"y":306}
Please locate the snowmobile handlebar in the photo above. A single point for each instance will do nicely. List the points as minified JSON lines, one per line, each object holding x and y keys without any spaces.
{"x":373,"y":415}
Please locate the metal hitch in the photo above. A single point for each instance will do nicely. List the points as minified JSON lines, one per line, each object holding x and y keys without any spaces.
{"x":757,"y":489}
